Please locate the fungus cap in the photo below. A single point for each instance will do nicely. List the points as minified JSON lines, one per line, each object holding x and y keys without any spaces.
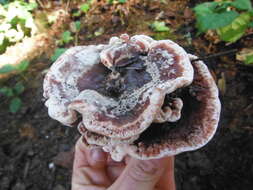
{"x":133,"y":89}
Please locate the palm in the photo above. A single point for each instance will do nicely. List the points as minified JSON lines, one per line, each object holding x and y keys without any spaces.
{"x":101,"y":175}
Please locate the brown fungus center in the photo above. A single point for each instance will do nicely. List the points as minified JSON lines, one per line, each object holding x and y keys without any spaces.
{"x":156,"y":133}
{"x":129,"y":76}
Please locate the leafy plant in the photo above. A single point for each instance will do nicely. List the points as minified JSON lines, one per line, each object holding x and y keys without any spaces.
{"x":3,"y":2}
{"x":57,"y":53}
{"x":159,"y":26}
{"x":66,"y":37}
{"x":13,"y":93}
{"x":85,"y":7}
{"x":71,"y":35}
{"x":249,"y":59}
{"x":77,"y":25}
{"x":229,"y":18}
{"x":18,"y":68}
{"x":236,"y":29}
{"x":15,"y":105}
{"x":122,"y":1}
{"x":16,"y":22}
{"x":161,"y":30}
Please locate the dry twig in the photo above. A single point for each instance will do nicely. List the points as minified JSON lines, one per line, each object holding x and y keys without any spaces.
{"x":232,"y":51}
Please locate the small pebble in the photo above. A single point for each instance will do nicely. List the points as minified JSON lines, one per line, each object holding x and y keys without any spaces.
{"x":30,"y":153}
{"x":51,"y":165}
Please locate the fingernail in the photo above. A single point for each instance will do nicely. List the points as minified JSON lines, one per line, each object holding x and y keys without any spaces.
{"x":97,"y":154}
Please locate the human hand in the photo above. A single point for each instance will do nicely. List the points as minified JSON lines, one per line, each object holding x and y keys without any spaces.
{"x":95,"y":170}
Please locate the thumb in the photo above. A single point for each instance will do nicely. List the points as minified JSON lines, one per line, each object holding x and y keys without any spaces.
{"x":141,"y":174}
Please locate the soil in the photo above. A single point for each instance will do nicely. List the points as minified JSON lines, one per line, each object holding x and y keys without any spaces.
{"x":36,"y":151}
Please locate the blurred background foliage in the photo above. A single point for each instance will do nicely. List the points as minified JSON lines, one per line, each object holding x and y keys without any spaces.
{"x":16,"y":22}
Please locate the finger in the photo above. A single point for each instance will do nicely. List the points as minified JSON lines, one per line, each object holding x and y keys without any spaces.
{"x":114,"y":168}
{"x":80,"y":159}
{"x":96,"y":157}
{"x":88,"y":187}
{"x":114,"y":172}
{"x":127,"y":159}
{"x":167,"y":180}
{"x":84,"y":179}
{"x":89,"y":168}
{"x":140,"y":174}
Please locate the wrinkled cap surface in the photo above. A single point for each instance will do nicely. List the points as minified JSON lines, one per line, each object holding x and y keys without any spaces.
{"x":134,"y":96}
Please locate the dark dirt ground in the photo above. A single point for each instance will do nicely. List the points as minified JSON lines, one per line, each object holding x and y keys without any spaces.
{"x":32,"y":145}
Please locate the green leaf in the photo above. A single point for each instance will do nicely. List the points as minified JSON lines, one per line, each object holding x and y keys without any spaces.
{"x":159,"y":26}
{"x":78,"y":25}
{"x":110,"y":1}
{"x":57,"y":53}
{"x":249,"y":59}
{"x":4,"y":45}
{"x":15,"y":105}
{"x":7,"y":69}
{"x":22,"y":66}
{"x":251,"y":24}
{"x":6,"y":91}
{"x":236,"y":29}
{"x":222,"y":6}
{"x":85,"y":7}
{"x":3,"y":2}
{"x":122,"y":1}
{"x":251,"y":12}
{"x":31,"y":6}
{"x":10,"y":68}
{"x":215,"y":20}
{"x":19,"y":88}
{"x":66,"y":37}
{"x":205,"y":8}
{"x":242,"y":4}
{"x":77,"y":14}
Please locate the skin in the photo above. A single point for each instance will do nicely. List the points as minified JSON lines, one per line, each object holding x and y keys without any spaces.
{"x":95,"y":170}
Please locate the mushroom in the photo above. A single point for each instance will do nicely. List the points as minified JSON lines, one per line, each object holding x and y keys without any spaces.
{"x":135,"y":96}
